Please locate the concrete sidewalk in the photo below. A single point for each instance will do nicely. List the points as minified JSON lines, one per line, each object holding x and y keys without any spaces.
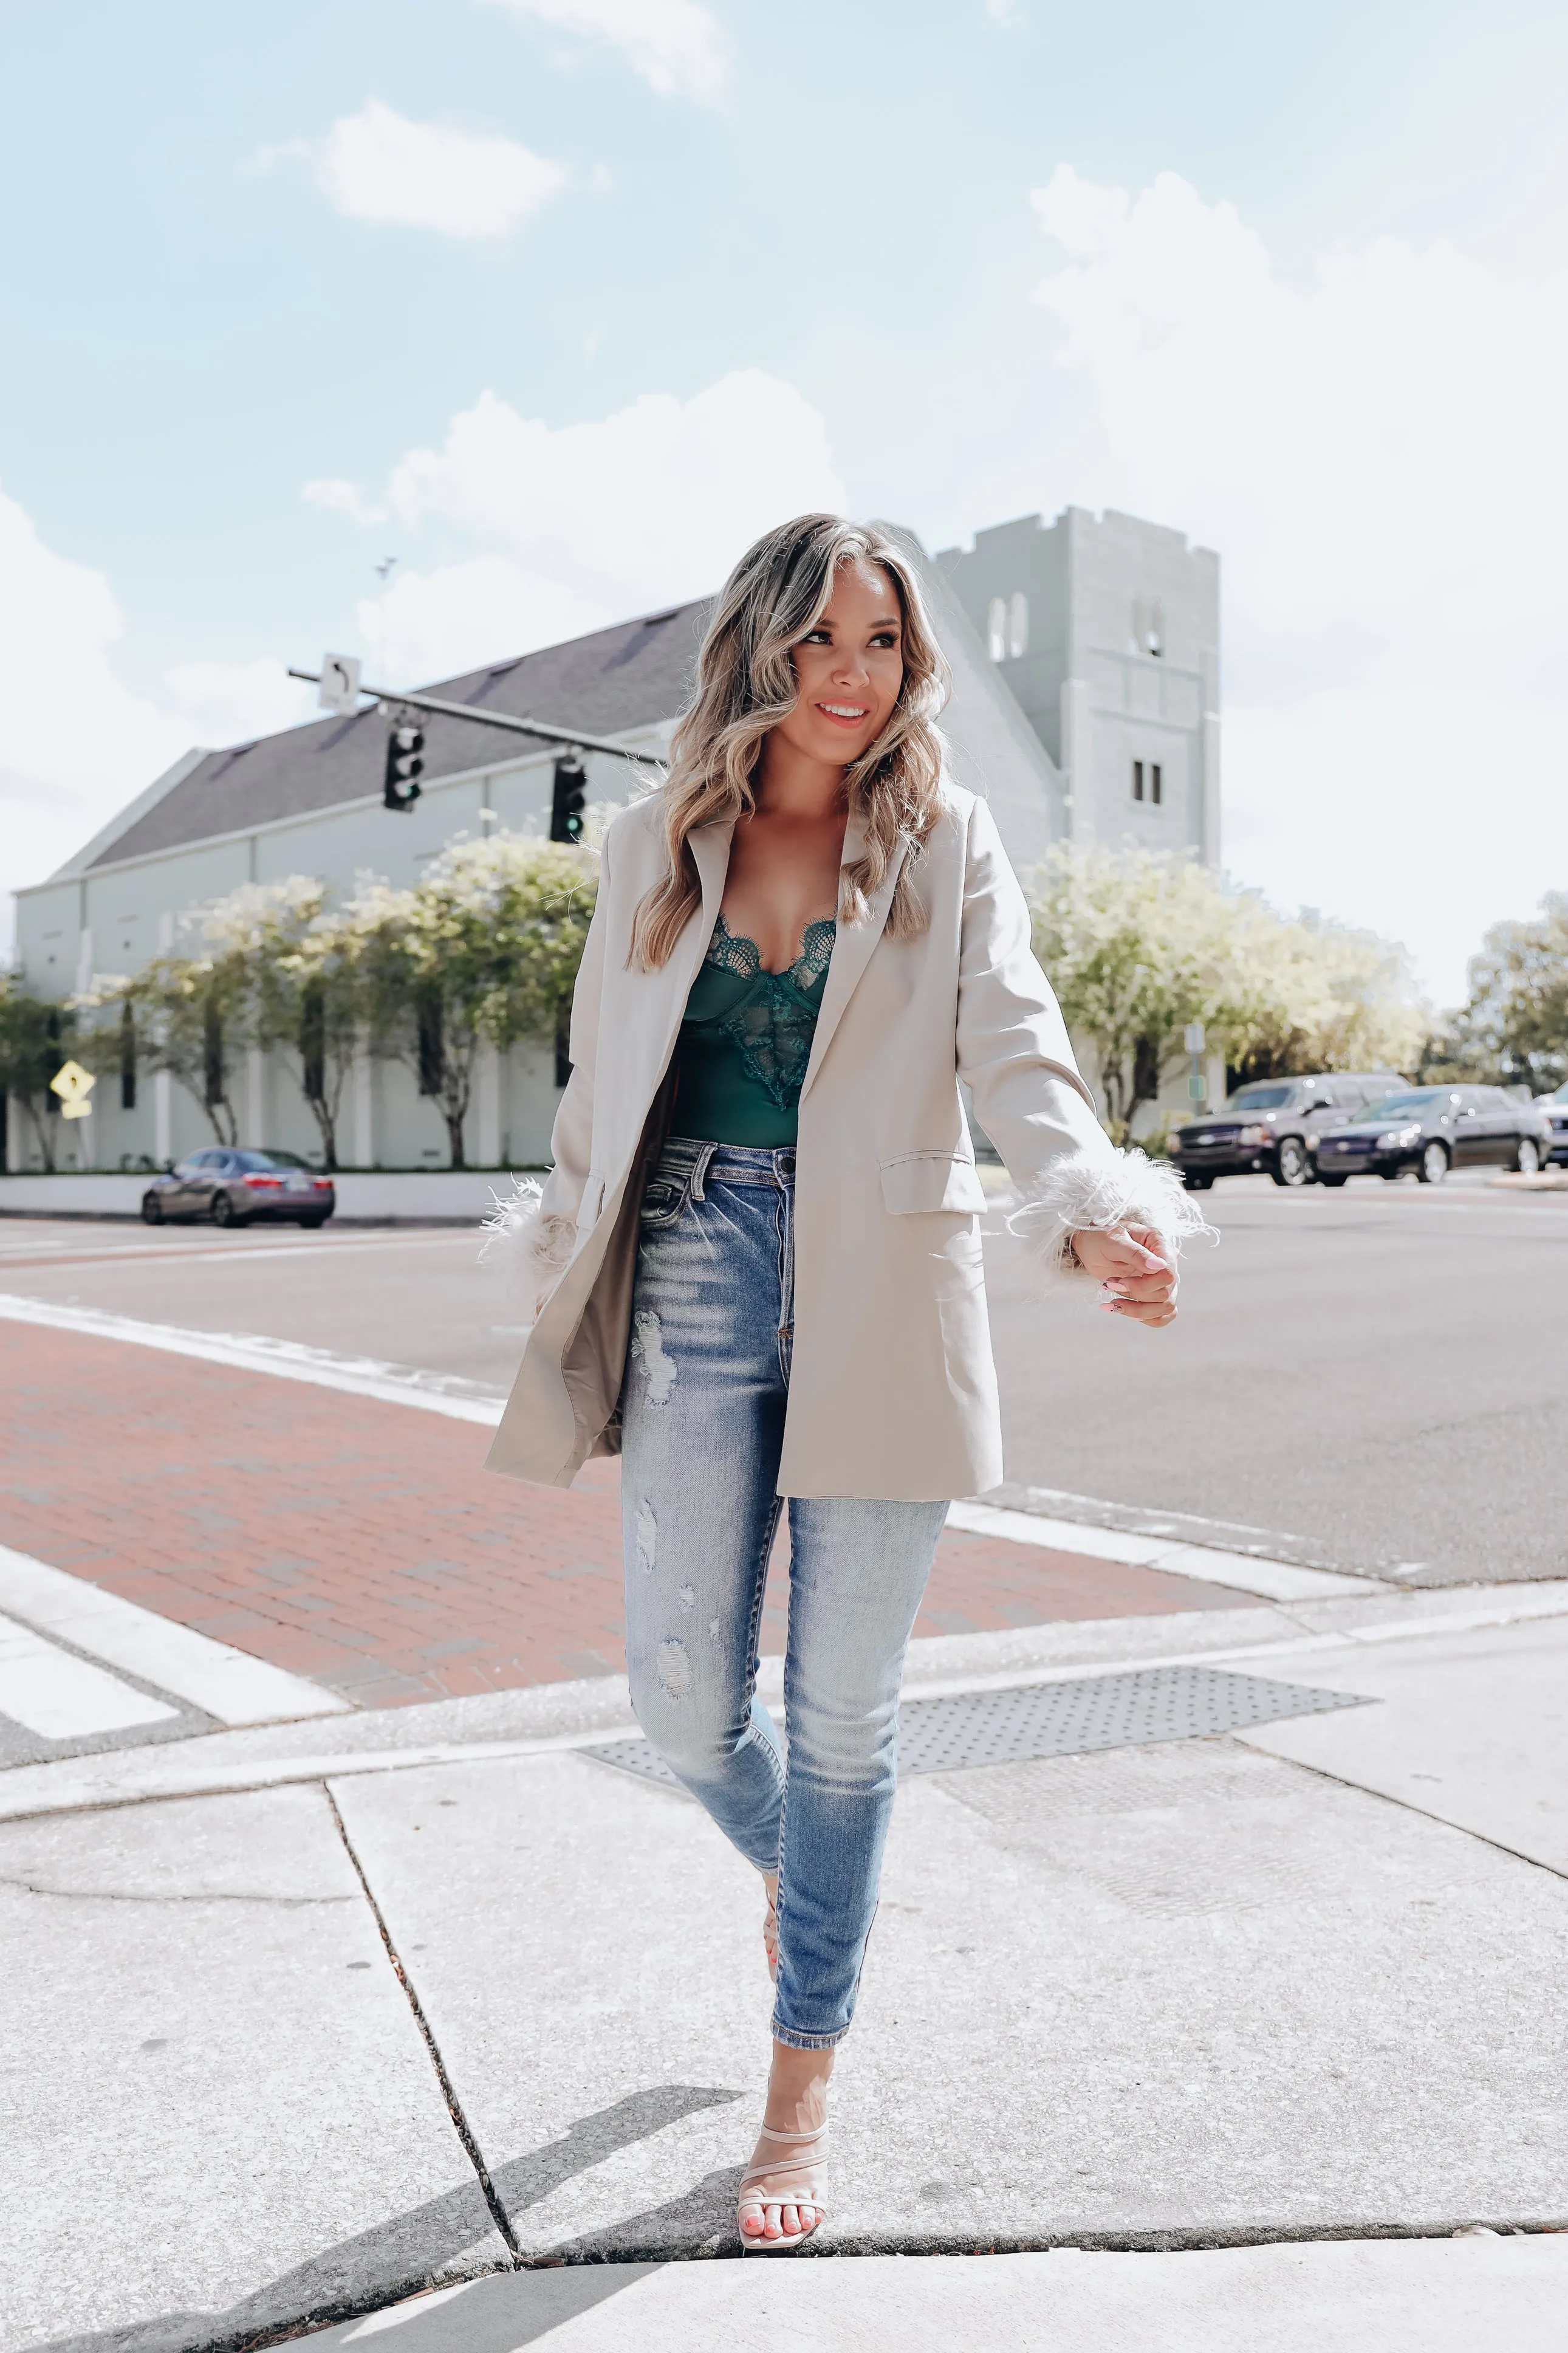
{"x":301,"y":2024}
{"x":1479,"y":2295}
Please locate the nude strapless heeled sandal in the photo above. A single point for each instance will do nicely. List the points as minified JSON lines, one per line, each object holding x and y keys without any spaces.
{"x":754,"y":2199}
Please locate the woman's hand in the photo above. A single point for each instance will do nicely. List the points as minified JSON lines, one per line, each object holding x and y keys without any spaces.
{"x":1133,"y":1265}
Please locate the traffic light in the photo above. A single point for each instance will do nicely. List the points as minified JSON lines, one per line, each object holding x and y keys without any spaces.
{"x":404,"y":765}
{"x":567,"y":804}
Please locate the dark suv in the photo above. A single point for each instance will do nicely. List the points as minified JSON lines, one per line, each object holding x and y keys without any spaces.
{"x":1265,"y":1125}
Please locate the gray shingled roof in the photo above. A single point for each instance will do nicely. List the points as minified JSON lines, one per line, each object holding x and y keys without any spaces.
{"x":632,"y":676}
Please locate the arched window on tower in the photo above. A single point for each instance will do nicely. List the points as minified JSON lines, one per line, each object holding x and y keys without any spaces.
{"x":1018,"y":624}
{"x":997,"y":629}
{"x":1148,"y":627}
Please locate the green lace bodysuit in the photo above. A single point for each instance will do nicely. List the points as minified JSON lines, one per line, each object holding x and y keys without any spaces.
{"x":746,"y":1039}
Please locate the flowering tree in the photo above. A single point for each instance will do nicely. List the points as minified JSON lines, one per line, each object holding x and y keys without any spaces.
{"x":186,"y":1011}
{"x":1323,"y":997}
{"x":1138,"y":943}
{"x":485,"y":946}
{"x":299,"y":994}
{"x":1132,"y":943}
{"x":1515,"y":1025}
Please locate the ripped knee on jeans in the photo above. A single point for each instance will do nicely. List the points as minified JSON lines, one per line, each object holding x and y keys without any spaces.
{"x":674,"y":1669}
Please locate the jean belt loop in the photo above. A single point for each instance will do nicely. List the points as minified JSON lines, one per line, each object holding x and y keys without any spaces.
{"x":704,"y":1162}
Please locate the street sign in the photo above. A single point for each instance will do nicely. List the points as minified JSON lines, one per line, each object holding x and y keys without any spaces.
{"x":1193,"y":1038}
{"x":338,"y":688}
{"x":73,"y":1086}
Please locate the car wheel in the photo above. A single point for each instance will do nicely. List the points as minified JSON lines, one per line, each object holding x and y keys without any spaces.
{"x":1333,"y":1183}
{"x":1292,"y":1164}
{"x":312,"y":1225}
{"x":223,"y":1211}
{"x":1527,"y":1155}
{"x":152,"y":1209}
{"x":1196,"y":1180}
{"x":1433,"y":1166}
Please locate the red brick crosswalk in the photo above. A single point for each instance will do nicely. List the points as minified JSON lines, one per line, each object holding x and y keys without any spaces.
{"x":361,"y":1544}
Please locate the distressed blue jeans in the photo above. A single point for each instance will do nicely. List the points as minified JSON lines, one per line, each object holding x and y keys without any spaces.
{"x":703,"y":1411}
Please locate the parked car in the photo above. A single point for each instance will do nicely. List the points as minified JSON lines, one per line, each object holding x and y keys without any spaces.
{"x":235,"y":1189}
{"x":1553,"y":1109}
{"x":1432,"y":1130}
{"x":1265,"y":1125}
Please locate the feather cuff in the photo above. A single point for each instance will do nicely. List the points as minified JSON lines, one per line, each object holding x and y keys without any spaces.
{"x":1081,"y":1193}
{"x":527,"y":1248}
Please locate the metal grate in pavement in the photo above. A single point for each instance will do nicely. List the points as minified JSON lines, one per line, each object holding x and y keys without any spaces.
{"x":1062,"y":1719}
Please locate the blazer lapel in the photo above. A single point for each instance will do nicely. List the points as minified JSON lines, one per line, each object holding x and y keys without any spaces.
{"x":853,"y":949}
{"x":710,"y":849}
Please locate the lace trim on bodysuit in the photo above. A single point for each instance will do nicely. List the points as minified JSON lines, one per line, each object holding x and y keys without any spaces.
{"x":773,"y":1024}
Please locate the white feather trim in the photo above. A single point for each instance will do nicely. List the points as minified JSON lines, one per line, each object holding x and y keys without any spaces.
{"x":1081,"y":1193}
{"x":526,"y":1248}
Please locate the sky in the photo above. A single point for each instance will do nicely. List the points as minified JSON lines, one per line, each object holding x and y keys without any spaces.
{"x":552,"y":305}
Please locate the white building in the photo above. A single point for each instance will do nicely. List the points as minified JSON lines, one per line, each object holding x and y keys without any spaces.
{"x":1085,"y":661}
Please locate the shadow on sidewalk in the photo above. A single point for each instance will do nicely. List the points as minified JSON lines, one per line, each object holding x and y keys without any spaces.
{"x":410,"y":2251}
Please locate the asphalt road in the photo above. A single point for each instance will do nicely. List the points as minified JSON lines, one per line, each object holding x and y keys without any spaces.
{"x":1382,"y":1370}
{"x":1380,"y":1374}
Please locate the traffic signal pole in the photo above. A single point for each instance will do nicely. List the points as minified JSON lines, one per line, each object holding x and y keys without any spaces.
{"x":568,"y":736}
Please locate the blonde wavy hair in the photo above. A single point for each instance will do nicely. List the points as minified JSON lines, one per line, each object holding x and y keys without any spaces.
{"x":746,"y":684}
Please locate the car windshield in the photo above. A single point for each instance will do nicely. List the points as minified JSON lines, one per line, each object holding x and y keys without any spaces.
{"x":1412,"y":1106}
{"x":1560,"y":1097}
{"x":1260,"y":1098}
{"x":270,"y":1160}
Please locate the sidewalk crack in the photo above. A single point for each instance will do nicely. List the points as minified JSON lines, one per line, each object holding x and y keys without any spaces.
{"x":460,"y":2124}
{"x":129,"y":1895}
{"x":1408,"y":1806}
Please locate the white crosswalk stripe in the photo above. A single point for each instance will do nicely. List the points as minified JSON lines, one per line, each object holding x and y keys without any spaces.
{"x":53,"y":1692}
{"x":223,"y":1682}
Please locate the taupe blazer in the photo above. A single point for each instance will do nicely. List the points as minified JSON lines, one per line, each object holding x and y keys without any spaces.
{"x":893,"y":1390}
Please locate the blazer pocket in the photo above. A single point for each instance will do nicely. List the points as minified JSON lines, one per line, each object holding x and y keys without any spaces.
{"x":591,"y":1202}
{"x":932,"y":1180}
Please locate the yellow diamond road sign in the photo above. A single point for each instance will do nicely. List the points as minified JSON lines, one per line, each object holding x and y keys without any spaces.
{"x":74,"y":1085}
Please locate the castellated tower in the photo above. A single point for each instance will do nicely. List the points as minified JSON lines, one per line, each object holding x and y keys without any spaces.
{"x":1106,"y":629}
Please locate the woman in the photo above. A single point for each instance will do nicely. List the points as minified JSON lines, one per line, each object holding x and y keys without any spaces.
{"x":757,"y":1257}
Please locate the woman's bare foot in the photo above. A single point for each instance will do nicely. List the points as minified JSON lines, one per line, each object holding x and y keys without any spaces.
{"x":781,"y":2196}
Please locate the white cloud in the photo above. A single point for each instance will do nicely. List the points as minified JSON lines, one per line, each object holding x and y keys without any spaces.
{"x":1376,"y":455}
{"x":431,"y":625}
{"x":676,"y":46}
{"x":343,"y":498}
{"x":77,"y":742}
{"x":232,"y":703}
{"x":378,"y":166}
{"x":577,"y":526}
{"x":557,"y":532}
